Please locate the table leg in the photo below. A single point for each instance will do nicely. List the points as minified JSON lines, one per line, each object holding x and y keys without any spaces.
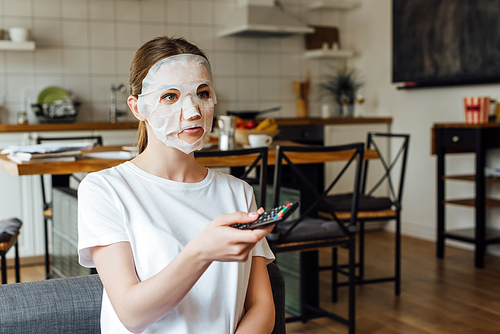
{"x":439,"y":200}
{"x":480,"y":209}
{"x":309,"y":282}
{"x":57,"y":181}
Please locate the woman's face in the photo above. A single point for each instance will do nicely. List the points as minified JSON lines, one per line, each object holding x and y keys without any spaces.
{"x":178,"y":101}
{"x":172,"y":96}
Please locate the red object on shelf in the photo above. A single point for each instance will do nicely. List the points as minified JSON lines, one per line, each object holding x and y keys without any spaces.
{"x":476,"y":109}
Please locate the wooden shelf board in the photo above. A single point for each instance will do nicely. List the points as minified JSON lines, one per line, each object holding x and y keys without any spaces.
{"x":469,"y":233}
{"x":470,"y":178}
{"x":17,"y":46}
{"x":490,"y":203}
{"x":320,"y":53}
{"x":332,"y":4}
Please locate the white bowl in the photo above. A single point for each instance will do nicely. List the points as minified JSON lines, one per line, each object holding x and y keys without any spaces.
{"x":19,"y":34}
{"x":241,"y":135}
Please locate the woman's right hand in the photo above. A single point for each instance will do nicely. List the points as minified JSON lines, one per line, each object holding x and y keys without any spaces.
{"x":219,"y":241}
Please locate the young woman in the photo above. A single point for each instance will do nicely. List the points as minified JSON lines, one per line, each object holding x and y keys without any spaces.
{"x":158,"y":227}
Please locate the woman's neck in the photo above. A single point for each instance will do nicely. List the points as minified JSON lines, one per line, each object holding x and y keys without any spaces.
{"x":170,"y":163}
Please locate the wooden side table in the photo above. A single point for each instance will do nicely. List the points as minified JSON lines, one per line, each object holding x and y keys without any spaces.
{"x":450,"y":138}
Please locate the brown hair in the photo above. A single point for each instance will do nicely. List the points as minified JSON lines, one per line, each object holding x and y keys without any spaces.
{"x":148,"y":55}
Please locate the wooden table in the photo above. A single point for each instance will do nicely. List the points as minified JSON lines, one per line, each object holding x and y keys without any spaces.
{"x":88,"y":165}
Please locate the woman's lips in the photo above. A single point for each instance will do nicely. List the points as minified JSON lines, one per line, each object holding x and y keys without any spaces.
{"x":193,"y":131}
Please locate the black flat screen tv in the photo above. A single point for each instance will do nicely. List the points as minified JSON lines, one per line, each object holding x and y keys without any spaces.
{"x":445,"y":42}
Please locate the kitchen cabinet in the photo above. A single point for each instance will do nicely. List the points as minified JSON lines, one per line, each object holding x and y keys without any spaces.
{"x":21,"y":196}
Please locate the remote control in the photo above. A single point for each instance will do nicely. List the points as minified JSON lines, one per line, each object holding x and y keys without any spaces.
{"x":273,"y":216}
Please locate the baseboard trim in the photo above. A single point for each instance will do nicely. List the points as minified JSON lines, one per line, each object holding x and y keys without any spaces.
{"x":27,"y":261}
{"x":427,"y":233}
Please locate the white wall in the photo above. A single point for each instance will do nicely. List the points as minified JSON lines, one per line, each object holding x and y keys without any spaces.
{"x":368,"y":30}
{"x":87,"y":45}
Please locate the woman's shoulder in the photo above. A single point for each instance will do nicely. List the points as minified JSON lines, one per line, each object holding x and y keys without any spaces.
{"x":105,"y":176}
{"x":231,"y":180}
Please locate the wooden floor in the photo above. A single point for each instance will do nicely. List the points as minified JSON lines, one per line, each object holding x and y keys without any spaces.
{"x":438,"y":296}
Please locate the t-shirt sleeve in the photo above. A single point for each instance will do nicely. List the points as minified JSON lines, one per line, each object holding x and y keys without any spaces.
{"x":100,"y":217}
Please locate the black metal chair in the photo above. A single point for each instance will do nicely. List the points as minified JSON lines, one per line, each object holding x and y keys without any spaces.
{"x":310,"y":232}
{"x":9,"y":233}
{"x":242,"y":163}
{"x":47,"y":207}
{"x":373,"y":208}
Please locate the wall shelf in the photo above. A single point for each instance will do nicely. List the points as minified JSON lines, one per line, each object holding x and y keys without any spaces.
{"x":470,"y":178}
{"x":490,"y":203}
{"x":321,"y":54}
{"x":332,"y":4}
{"x":17,"y":46}
{"x":468,"y":234}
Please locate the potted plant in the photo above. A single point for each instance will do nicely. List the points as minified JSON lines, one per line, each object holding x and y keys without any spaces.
{"x":343,"y":87}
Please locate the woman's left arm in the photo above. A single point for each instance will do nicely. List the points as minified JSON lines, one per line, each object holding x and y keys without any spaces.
{"x":259,"y":303}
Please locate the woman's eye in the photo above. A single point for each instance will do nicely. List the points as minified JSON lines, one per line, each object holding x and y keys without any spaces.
{"x":169,"y":97}
{"x":204,"y":95}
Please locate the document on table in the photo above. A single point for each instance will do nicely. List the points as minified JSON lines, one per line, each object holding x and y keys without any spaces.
{"x":47,"y":148}
{"x":120,"y":155}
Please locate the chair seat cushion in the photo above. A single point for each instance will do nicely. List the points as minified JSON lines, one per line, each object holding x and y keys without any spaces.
{"x":9,"y":228}
{"x":343,"y":202}
{"x":309,"y":229}
{"x":5,"y":237}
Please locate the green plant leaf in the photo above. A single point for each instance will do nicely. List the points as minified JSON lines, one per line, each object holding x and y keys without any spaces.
{"x":343,"y":81}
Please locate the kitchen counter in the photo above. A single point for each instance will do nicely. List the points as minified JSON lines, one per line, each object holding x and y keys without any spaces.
{"x":332,"y":121}
{"x":67,"y":127}
{"x":4,"y":128}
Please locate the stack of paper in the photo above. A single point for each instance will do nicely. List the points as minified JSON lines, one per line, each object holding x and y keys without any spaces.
{"x":46,"y":152}
{"x":119,"y":155}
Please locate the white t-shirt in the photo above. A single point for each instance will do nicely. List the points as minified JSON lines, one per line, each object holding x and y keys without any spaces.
{"x":159,"y":217}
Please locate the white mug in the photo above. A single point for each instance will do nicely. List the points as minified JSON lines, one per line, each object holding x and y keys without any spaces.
{"x":19,"y":34}
{"x":260,"y":140}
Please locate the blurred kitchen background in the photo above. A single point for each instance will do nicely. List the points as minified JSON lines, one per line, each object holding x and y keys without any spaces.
{"x":86,"y":46}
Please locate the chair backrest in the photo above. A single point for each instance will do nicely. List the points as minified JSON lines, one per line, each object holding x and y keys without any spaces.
{"x":315,"y":194}
{"x":242,"y":162}
{"x":393,"y":166}
{"x":278,"y":286}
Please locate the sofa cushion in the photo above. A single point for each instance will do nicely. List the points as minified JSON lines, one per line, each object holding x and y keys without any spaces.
{"x":65,"y":305}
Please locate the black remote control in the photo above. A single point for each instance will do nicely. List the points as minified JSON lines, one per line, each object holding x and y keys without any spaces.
{"x":273,"y":216}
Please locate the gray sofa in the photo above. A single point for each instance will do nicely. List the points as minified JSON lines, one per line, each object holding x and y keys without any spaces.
{"x":73,"y":305}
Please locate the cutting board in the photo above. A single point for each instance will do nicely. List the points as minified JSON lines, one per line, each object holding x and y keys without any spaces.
{"x":321,"y":35}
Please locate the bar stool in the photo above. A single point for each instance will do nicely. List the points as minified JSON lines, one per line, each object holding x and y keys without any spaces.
{"x":9,"y":231}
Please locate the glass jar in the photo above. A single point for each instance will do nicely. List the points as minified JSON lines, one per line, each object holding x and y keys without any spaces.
{"x":22,"y":117}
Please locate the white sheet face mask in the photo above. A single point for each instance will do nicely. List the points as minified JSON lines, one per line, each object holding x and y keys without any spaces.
{"x":177,"y":94}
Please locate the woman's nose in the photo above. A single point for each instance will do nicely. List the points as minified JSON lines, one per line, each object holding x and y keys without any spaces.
{"x":190,"y":113}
